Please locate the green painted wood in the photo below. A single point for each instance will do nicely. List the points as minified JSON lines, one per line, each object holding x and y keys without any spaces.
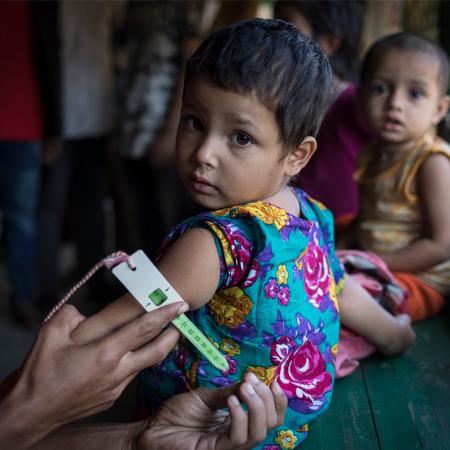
{"x":410,"y":395}
{"x":430,"y":385}
{"x":348,"y":424}
{"x":387,"y":383}
{"x":400,"y":403}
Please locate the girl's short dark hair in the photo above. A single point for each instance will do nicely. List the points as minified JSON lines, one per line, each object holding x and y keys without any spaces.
{"x":286,"y":71}
{"x":406,"y":42}
{"x":340,"y":18}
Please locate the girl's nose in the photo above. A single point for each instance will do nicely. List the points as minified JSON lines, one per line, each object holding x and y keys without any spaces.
{"x":206,"y":153}
{"x":396,"y":100}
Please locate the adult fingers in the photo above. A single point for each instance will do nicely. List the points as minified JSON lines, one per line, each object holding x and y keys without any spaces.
{"x":266,"y":396}
{"x":143,"y":329}
{"x":238,"y":429}
{"x":150,"y":354}
{"x":275,"y":400}
{"x":246,"y":429}
{"x":218,"y":398}
{"x":281,"y":402}
{"x":67,"y":318}
{"x":257,"y":420}
{"x":58,"y":329}
{"x":237,"y":433}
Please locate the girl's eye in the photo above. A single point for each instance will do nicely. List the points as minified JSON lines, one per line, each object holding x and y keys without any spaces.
{"x":379,"y":88}
{"x":240,"y":139}
{"x":192,"y":123}
{"x":416,"y":93}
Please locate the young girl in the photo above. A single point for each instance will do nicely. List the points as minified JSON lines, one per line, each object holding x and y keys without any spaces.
{"x":405,"y":172}
{"x":336,"y":26}
{"x":259,"y":270}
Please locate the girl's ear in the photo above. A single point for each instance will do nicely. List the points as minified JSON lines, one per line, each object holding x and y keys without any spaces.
{"x":441,"y":110}
{"x":299,"y":157}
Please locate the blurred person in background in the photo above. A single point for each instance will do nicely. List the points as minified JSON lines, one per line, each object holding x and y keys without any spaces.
{"x":77,"y":164}
{"x":28,"y":99}
{"x":336,"y":25}
{"x":158,"y":37}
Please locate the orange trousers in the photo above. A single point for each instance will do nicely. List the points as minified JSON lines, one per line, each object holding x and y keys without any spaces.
{"x":423,"y":301}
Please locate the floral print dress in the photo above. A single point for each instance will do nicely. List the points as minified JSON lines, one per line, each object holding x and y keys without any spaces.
{"x":274,"y":313}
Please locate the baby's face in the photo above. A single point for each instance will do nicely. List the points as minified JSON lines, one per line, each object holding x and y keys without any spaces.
{"x":228,"y":147}
{"x":403,"y":100}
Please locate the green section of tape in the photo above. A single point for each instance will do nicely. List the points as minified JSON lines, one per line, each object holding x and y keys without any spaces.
{"x":201,"y":342}
{"x":158,"y":297}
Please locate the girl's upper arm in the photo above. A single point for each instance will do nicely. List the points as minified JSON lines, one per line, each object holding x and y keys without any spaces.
{"x":434,"y":191}
{"x":191,"y":265}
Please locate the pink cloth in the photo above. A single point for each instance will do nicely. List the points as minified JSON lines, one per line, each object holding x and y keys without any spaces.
{"x":351,"y":349}
{"x":371,"y":272}
{"x":328,"y":177}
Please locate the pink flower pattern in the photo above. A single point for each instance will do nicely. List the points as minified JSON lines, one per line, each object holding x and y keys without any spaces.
{"x":317,"y":274}
{"x":284,"y":295}
{"x":271,"y":288}
{"x":301,"y":372}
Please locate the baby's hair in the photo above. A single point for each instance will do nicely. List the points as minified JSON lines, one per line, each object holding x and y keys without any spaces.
{"x":406,"y":42}
{"x":285,"y":70}
{"x":340,"y":18}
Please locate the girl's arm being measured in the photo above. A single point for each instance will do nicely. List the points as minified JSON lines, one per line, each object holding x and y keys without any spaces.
{"x":191,"y":265}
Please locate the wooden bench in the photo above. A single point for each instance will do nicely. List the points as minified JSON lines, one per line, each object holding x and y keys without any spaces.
{"x":400,"y":403}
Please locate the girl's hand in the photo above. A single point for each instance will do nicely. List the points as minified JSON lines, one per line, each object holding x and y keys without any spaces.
{"x":363,"y":315}
{"x":196,"y":419}
{"x":405,"y":338}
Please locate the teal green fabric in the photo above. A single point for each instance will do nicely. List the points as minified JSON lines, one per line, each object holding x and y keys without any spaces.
{"x":274,"y":313}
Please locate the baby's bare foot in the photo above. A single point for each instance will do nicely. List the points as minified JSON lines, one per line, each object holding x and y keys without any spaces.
{"x":405,"y":336}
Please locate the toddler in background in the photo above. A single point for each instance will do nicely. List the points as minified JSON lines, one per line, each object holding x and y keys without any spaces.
{"x":336,"y":25}
{"x":259,"y":269}
{"x":404,"y":175}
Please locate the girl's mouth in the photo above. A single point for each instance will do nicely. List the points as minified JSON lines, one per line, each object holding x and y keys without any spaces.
{"x":392,"y":124}
{"x":202,"y":185}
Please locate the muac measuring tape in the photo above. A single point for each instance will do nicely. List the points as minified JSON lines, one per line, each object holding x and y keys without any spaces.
{"x":149,"y":287}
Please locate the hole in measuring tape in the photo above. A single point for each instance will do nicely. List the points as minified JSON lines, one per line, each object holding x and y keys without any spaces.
{"x":158,"y":297}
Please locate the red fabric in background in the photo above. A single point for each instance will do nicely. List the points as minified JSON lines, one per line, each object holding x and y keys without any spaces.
{"x":328,"y":177}
{"x":20,"y":106}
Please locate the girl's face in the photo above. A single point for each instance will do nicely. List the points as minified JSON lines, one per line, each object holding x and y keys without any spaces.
{"x":402,"y":99}
{"x":228,"y":147}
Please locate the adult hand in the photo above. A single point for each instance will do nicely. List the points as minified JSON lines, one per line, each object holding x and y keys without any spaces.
{"x":62,"y":380}
{"x":191,"y":421}
{"x":195,"y":420}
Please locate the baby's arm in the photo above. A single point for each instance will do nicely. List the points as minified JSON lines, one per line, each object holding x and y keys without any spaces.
{"x":191,"y":265}
{"x":362,"y":314}
{"x":433,"y":184}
